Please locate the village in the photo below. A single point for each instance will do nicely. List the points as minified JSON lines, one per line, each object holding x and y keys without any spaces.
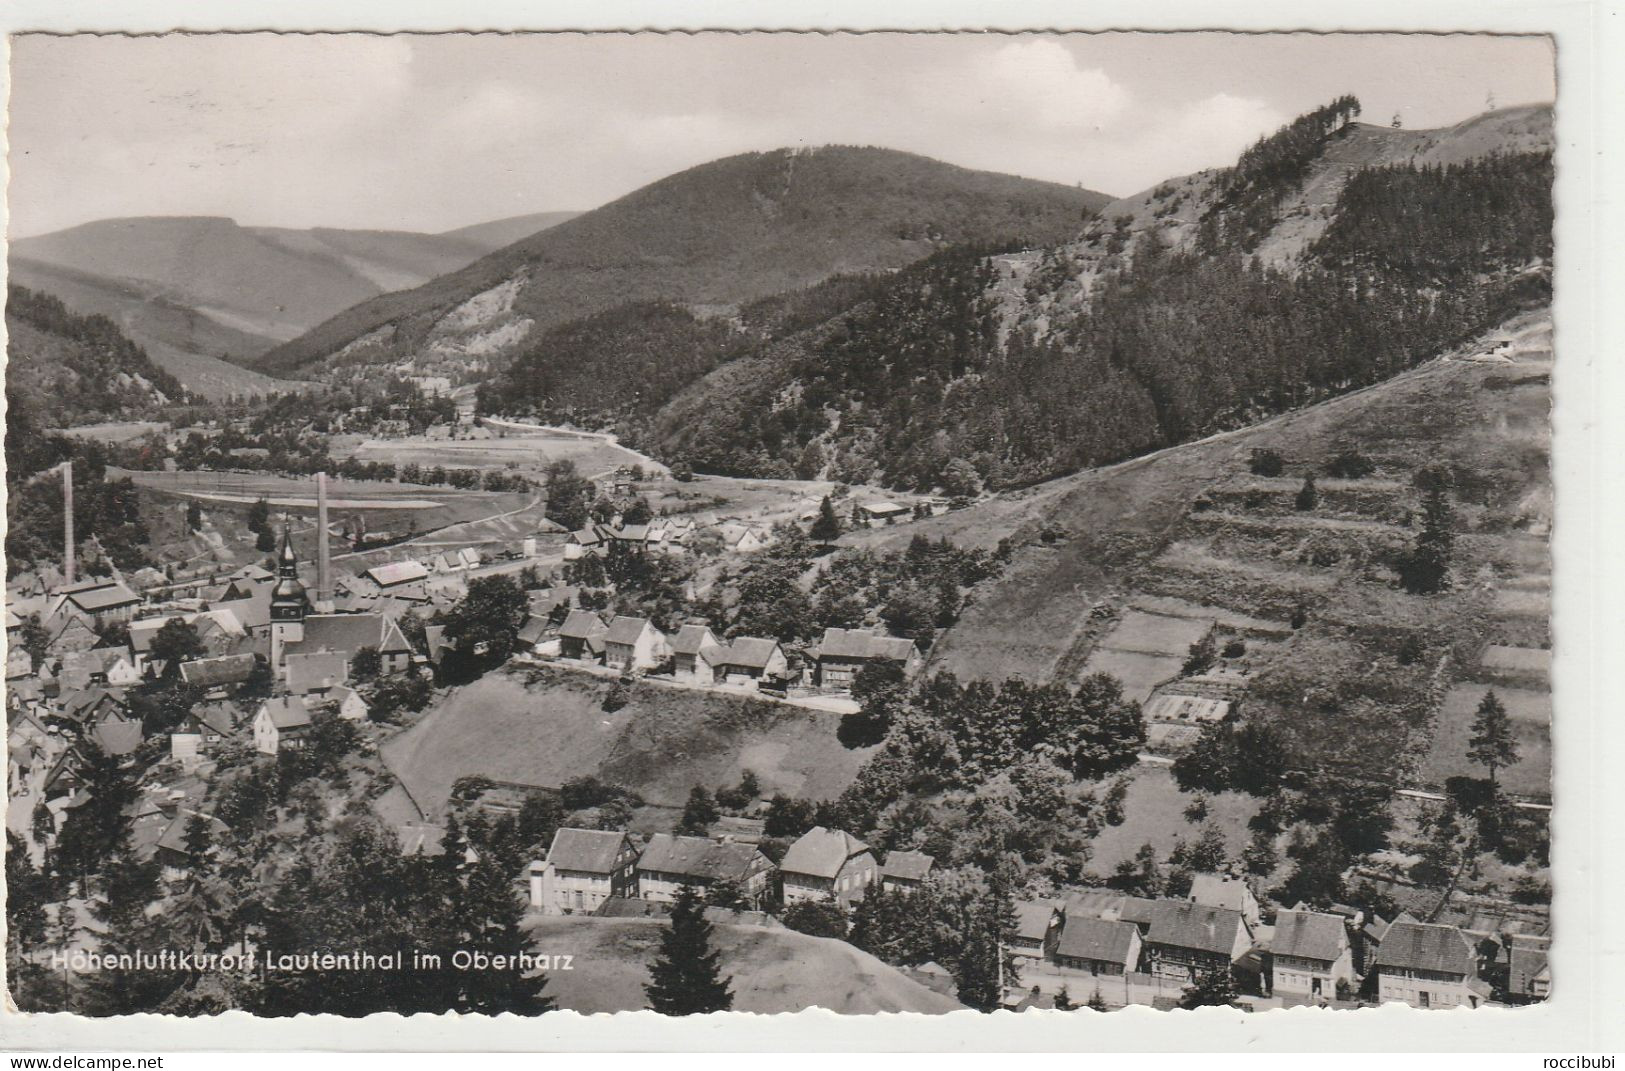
{"x":260,"y":660}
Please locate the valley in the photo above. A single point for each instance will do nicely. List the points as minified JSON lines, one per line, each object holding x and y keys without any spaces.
{"x":1055,"y":562}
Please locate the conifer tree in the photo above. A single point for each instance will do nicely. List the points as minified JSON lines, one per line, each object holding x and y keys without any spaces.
{"x":1492,"y":744}
{"x":828,"y":526}
{"x":685,"y":979}
{"x":1063,"y":1000}
{"x":1096,"y":1001}
{"x":1308,"y":495}
{"x":488,"y":915}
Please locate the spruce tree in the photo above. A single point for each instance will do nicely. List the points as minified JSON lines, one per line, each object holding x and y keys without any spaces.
{"x":1063,"y":1000}
{"x":685,"y":979}
{"x":488,"y":916}
{"x":1492,"y":745}
{"x":1308,"y":495}
{"x":1096,"y":1001}
{"x":827,"y":528}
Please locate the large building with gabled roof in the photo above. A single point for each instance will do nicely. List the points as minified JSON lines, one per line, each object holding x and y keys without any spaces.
{"x":583,"y":868}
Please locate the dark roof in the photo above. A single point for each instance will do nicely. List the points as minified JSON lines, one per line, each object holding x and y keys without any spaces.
{"x":216,"y":717}
{"x":821,"y":852}
{"x":533,"y":630}
{"x":287,"y":712}
{"x":582,"y":624}
{"x":78,"y":704}
{"x":690,"y":638}
{"x":909,"y":866}
{"x":174,"y":836}
{"x":254,"y":611}
{"x":1182,"y":924}
{"x":1308,"y":935}
{"x":697,"y":857}
{"x":857,"y":644}
{"x":1136,"y":909}
{"x":227,"y":669}
{"x":1034,"y":918}
{"x":747,"y":651}
{"x":116,"y":736}
{"x":589,"y":850}
{"x":317,"y":671}
{"x":1411,"y":945}
{"x":1097,"y":939}
{"x":1527,"y":961}
{"x":104,"y":597}
{"x":349,"y":633}
{"x":626,"y":629}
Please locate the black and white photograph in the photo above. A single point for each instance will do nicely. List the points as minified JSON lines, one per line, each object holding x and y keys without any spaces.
{"x":889,"y":522}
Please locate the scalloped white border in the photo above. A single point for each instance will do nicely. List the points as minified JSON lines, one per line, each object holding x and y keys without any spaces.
{"x":1589,"y":461}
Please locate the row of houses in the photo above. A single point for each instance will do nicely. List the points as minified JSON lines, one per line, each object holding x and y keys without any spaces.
{"x":586,"y":868}
{"x":698,"y":656}
{"x":664,"y":536}
{"x":1304,"y":956}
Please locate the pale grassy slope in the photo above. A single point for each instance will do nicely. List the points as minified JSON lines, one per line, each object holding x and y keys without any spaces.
{"x":661,"y":744}
{"x":1110,"y":521}
{"x":773,"y":970}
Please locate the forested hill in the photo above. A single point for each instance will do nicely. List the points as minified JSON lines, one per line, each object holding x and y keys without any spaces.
{"x":721,"y":234}
{"x":74,"y":369}
{"x":967,"y":371}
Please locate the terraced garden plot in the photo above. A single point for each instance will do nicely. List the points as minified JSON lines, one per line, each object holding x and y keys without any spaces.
{"x":1156,"y":634}
{"x":1534,"y":663}
{"x":1531,"y":713}
{"x":1229,"y":619}
{"x":1140,"y":673}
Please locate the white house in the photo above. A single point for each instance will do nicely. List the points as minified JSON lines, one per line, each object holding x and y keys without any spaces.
{"x":347,"y":703}
{"x":668,"y":863}
{"x":633,"y":643}
{"x":1427,"y":965}
{"x":583,"y":868}
{"x":1311,"y":954}
{"x":827,"y":863}
{"x":281,"y":722}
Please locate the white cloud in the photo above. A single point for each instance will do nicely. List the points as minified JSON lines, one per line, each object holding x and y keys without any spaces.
{"x":1035,"y":82}
{"x":1212,"y":132}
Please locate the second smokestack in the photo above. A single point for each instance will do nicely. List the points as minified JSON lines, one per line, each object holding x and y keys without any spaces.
{"x":324,"y":568}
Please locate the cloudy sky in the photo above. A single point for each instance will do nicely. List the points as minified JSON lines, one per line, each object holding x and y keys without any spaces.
{"x":435,"y":132}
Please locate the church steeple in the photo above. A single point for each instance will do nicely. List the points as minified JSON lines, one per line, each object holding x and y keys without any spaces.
{"x":289,"y":603}
{"x":288,"y":599}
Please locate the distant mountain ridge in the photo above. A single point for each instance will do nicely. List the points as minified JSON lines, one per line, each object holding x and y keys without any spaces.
{"x":721,"y":234}
{"x":202,"y":293}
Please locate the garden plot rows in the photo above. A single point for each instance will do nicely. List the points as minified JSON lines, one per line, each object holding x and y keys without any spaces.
{"x":1144,"y":650}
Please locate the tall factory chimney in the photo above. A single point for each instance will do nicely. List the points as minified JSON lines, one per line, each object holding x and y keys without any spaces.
{"x":68,"y":545}
{"x":324,"y":567}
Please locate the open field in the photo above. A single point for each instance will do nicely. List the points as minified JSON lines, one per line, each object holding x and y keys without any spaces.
{"x":662,"y":743}
{"x":397,"y":506}
{"x":1531,"y":713}
{"x":118,"y":431}
{"x":526,"y":452}
{"x":773,"y":970}
{"x":1154,"y":813}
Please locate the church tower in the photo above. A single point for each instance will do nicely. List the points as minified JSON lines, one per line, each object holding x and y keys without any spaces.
{"x":289,"y":603}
